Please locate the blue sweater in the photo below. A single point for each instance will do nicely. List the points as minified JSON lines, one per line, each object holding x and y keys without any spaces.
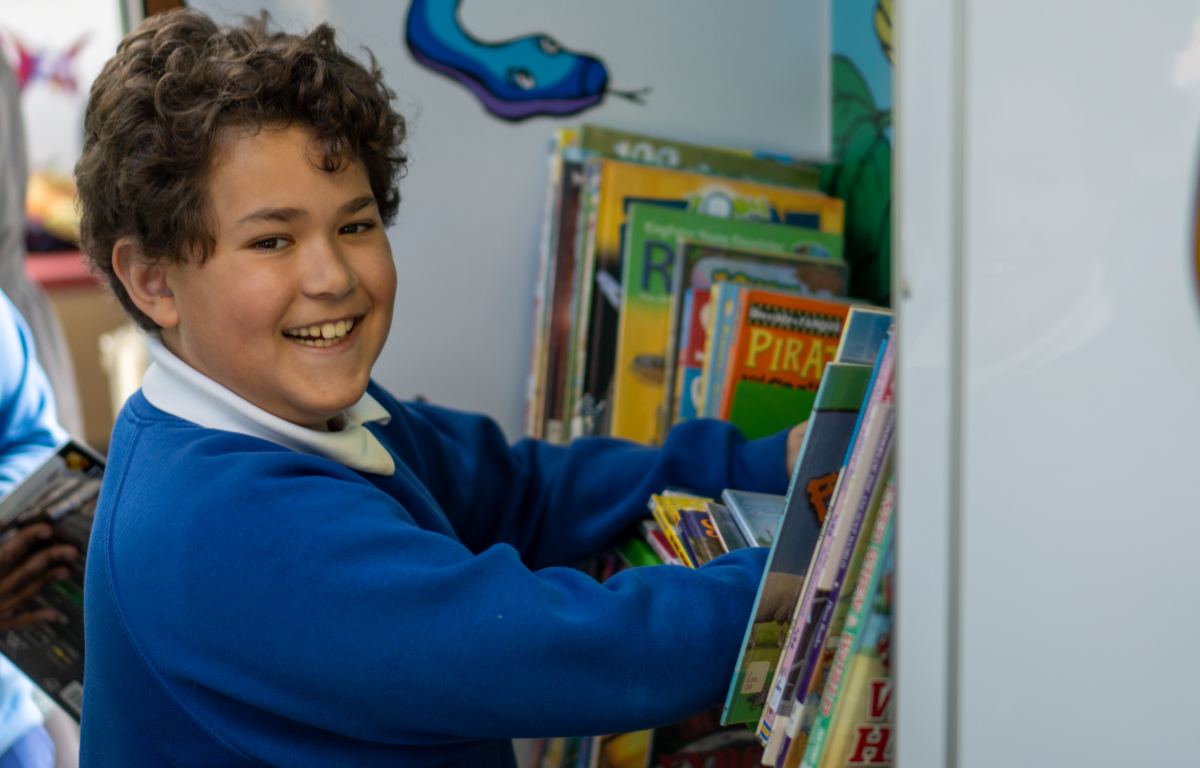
{"x":250,"y":604}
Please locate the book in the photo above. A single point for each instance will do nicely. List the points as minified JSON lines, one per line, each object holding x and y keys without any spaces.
{"x":544,"y":295}
{"x":686,"y":366}
{"x":637,"y":553}
{"x":856,"y":607}
{"x":802,"y":689}
{"x":553,"y":347}
{"x":727,"y":528}
{"x":831,"y":428}
{"x":777,"y":356}
{"x":851,"y":495}
{"x":63,"y":493}
{"x":757,"y":514}
{"x":809,"y":270}
{"x":701,"y":534}
{"x":725,"y":301}
{"x":654,"y":536}
{"x":594,"y":140}
{"x":667,"y":513}
{"x":612,"y":187}
{"x":854,"y":723}
{"x":650,"y":275}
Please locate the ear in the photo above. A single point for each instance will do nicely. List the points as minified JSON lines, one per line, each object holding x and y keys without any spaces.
{"x":146,"y":283}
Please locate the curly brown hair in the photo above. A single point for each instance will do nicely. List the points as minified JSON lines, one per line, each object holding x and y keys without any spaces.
{"x":162,"y":105}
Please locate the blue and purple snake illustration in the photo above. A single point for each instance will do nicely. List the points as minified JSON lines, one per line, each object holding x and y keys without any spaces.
{"x":515,"y":79}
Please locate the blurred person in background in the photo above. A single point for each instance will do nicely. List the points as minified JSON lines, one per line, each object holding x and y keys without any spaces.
{"x":28,"y":434}
{"x":52,"y":349}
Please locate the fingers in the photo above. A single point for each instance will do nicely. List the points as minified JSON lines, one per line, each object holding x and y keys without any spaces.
{"x":14,"y":549}
{"x":28,"y":619}
{"x":34,"y":566}
{"x":10,"y":602}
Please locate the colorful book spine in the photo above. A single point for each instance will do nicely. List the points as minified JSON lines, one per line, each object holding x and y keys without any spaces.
{"x":875,"y":418}
{"x":726,"y":299}
{"x":853,"y":724}
{"x":804,"y":681}
{"x":658,"y":541}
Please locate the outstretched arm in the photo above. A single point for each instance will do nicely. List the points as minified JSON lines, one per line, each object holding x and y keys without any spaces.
{"x":554,"y":504}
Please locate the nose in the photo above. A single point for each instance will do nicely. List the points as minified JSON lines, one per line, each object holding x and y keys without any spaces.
{"x":327,"y":272}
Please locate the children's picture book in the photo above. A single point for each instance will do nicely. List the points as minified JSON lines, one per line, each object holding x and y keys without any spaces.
{"x":686,"y":366}
{"x":596,"y":141}
{"x":62,"y":492}
{"x":757,"y":514}
{"x":854,"y":723}
{"x":776,"y":359}
{"x":698,"y":266}
{"x":701,"y":533}
{"x":855,"y":607}
{"x":867,"y":456}
{"x":727,"y":527}
{"x":648,"y":277}
{"x":613,"y":187}
{"x":840,"y":397}
{"x":654,"y":536}
{"x":725,"y":302}
{"x":802,"y":688}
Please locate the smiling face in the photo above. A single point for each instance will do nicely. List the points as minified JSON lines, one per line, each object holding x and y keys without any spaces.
{"x":293,"y":306}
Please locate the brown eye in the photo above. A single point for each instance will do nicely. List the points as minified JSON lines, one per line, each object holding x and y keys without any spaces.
{"x":268,"y":244}
{"x":356,"y":229}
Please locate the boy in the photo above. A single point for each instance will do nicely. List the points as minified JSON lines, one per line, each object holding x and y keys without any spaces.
{"x":288,"y":565}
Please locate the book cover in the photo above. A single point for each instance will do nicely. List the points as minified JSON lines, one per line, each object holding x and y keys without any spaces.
{"x":553,"y":345}
{"x":854,"y":723}
{"x":678,"y":155}
{"x":726,"y":304}
{"x":868,"y":447}
{"x":757,"y":514}
{"x":658,"y":541}
{"x":649,"y":275}
{"x":667,"y":513}
{"x":802,"y":688}
{"x":727,"y":528}
{"x":778,"y":354}
{"x":865,"y":330}
{"x":536,"y":390}
{"x":698,"y":266}
{"x":617,"y":186}
{"x":696,"y":320}
{"x":857,"y":604}
{"x":701,"y":534}
{"x":62,"y":492}
{"x":638,"y":554}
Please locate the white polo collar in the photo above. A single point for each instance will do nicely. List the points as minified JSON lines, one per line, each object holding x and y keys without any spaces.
{"x":173,"y":386}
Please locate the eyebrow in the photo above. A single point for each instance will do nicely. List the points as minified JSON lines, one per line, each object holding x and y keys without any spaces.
{"x":287,"y":215}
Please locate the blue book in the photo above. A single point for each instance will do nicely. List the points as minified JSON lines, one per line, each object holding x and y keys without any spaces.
{"x":757,"y":514}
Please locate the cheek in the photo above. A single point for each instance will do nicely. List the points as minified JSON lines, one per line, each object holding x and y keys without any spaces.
{"x":247,"y":305}
{"x":379,"y":279}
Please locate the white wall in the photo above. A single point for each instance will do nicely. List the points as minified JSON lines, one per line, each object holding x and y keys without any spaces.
{"x":750,"y":73}
{"x":1048,"y":387}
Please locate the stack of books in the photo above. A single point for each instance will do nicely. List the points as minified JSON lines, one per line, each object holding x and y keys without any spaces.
{"x":640,"y":234}
{"x":812,"y":681}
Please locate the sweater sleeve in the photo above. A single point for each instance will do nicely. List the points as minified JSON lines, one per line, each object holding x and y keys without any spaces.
{"x":329,"y":609}
{"x":554,"y":504}
{"x":28,"y":429}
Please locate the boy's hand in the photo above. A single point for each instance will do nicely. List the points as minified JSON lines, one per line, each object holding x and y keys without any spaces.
{"x":795,"y":440}
{"x":23,"y":575}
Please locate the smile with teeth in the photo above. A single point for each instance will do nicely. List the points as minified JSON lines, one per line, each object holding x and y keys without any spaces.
{"x":325,"y":335}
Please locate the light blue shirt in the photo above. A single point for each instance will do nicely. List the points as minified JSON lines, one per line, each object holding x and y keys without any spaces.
{"x":28,"y":434}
